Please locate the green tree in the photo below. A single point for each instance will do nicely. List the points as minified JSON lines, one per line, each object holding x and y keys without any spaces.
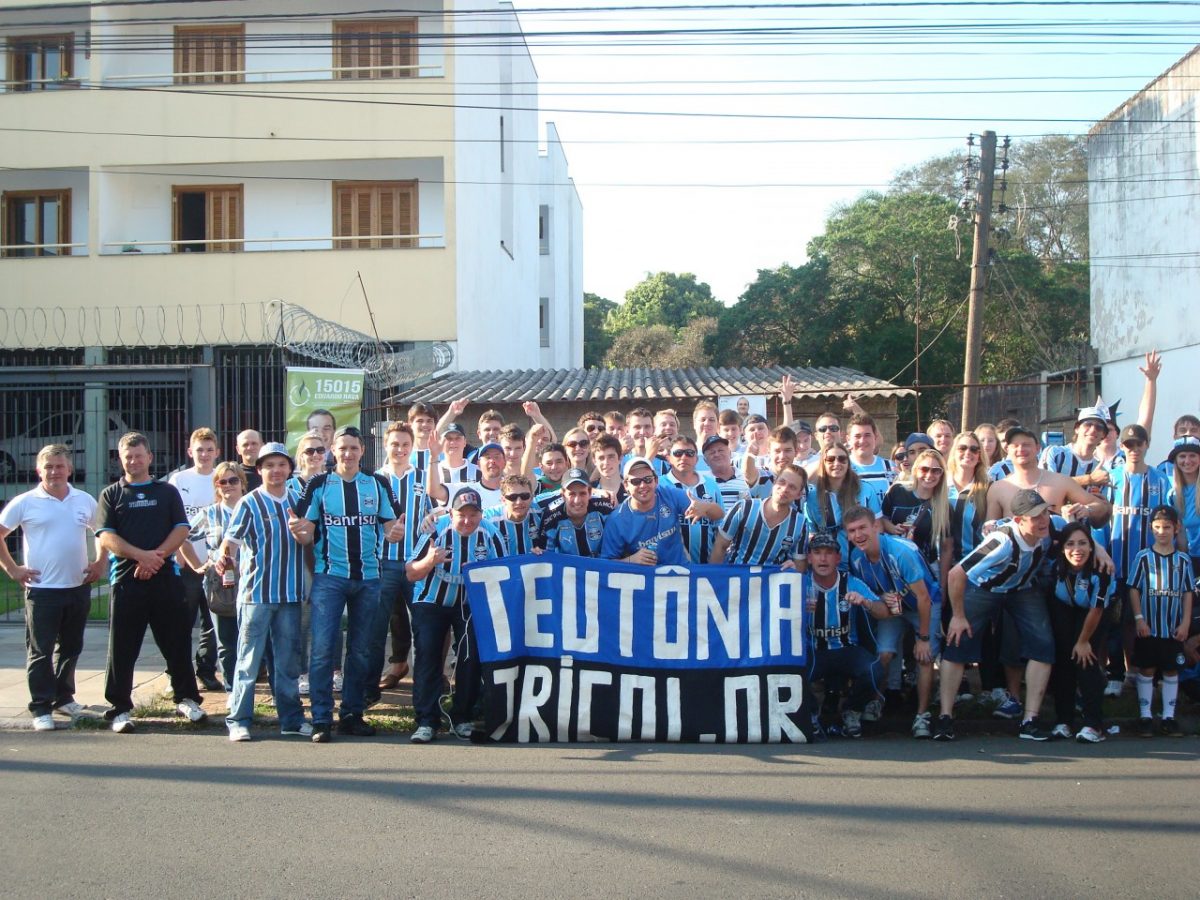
{"x":665,"y":298}
{"x":596,"y":336}
{"x":640,"y":346}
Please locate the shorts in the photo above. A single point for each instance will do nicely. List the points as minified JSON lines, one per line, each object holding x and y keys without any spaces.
{"x":1164,"y":654}
{"x":1029,"y":614}
{"x":889,"y":632}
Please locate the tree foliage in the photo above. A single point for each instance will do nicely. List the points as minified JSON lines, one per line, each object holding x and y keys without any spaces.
{"x":659,"y":346}
{"x":596,"y":337}
{"x":665,"y":298}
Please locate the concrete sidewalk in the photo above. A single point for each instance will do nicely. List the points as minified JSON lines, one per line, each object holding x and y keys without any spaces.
{"x":149,"y":679}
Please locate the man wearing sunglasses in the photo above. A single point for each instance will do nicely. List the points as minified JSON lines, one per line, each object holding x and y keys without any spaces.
{"x":517,"y":519}
{"x":644,"y":529}
{"x":697,"y":535}
{"x":576,"y":526}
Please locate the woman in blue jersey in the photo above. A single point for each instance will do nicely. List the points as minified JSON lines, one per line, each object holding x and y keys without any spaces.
{"x":836,"y":487}
{"x":1078,"y":596}
{"x":919,"y":510}
{"x":1184,"y":496}
{"x":967,"y":485}
{"x":209,"y":525}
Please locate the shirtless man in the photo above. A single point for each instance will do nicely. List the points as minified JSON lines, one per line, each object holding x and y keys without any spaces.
{"x":1063,"y":494}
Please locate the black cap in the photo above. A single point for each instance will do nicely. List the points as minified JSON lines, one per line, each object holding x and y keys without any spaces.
{"x":1134,"y":432}
{"x":713,"y":439}
{"x":575,"y":476}
{"x":348,"y":431}
{"x":1028,"y":503}
{"x":1185,"y":444}
{"x":1018,"y":430}
{"x":466,"y":497}
{"x":801,"y":425}
{"x":453,"y":428}
{"x":1165,"y":511}
{"x":824,"y":540}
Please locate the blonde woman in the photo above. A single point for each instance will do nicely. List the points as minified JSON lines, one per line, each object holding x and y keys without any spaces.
{"x":989,"y":441}
{"x":920,"y":510}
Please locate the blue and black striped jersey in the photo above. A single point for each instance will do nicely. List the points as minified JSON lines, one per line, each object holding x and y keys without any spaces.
{"x":966,"y":522}
{"x":445,"y":585}
{"x":836,"y":623}
{"x":1065,"y":461}
{"x":1133,"y":495}
{"x":209,"y":525}
{"x":558,"y":534}
{"x":350,"y":517}
{"x":1161,"y":580}
{"x":518,"y":537}
{"x":752,"y":542}
{"x":1004,"y":563}
{"x":408,"y":490}
{"x":699,"y":535}
{"x":270,"y":560}
{"x":1085,"y":590}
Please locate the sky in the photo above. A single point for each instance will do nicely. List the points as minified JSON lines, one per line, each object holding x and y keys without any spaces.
{"x":719,"y":138}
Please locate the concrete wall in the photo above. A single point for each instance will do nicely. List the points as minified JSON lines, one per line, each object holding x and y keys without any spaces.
{"x":561,"y":270}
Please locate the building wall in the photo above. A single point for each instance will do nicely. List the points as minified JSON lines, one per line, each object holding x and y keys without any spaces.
{"x":1144,"y":245}
{"x":560,"y":273}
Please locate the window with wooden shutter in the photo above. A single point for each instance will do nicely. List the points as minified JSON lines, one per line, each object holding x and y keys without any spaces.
{"x":211,"y":216}
{"x":371,"y":48}
{"x":371,"y":211}
{"x":210,"y":54}
{"x":41,"y":62}
{"x":32,"y":219}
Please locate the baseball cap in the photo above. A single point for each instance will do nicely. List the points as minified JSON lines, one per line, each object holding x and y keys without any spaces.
{"x":1028,"y":503}
{"x":634,"y":461}
{"x":801,"y":425}
{"x":917,"y":437}
{"x":1185,"y":444}
{"x":1165,"y":511}
{"x":453,"y":428}
{"x":752,"y":419}
{"x":576,"y":476}
{"x":713,"y":439}
{"x":466,"y":497}
{"x":1134,"y":432}
{"x":1092,"y":414}
{"x":490,"y":445}
{"x":348,"y":431}
{"x":272,"y":449}
{"x":824,"y":540}
{"x":1017,"y":431}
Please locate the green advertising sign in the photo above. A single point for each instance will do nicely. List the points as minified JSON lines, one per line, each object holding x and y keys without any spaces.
{"x":313,"y":393}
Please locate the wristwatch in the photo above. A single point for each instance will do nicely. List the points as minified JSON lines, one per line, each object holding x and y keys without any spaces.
{"x":923,"y":637}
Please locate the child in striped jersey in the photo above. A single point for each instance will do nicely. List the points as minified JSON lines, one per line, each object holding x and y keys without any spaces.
{"x":1161,"y":591}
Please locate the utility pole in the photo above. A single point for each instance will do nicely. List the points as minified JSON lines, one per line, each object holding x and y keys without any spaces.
{"x":979,"y":267}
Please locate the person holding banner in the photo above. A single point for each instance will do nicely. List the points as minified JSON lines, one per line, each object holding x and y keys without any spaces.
{"x":698,"y":535}
{"x":436,"y":568}
{"x":347,"y":515}
{"x":644,"y":529}
{"x":841,"y":608}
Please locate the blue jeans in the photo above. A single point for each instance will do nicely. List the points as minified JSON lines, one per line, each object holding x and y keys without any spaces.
{"x":280,"y":623}
{"x":430,"y":622}
{"x":331,"y":596}
{"x":848,"y":662}
{"x":226,"y":628}
{"x":394,"y":590}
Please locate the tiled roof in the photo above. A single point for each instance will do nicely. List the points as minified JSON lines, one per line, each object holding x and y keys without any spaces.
{"x":633,"y":385}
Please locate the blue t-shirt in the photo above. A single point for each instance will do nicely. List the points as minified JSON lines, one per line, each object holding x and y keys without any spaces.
{"x":350,"y":517}
{"x":628,"y":530}
{"x":1084,"y":590}
{"x":1191,"y":518}
{"x":900,"y":564}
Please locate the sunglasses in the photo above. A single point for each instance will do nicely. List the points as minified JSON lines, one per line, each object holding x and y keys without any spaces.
{"x":593,"y":428}
{"x":522,"y":495}
{"x":313,"y":451}
{"x":967,"y":448}
{"x":901,"y":456}
{"x":639,"y":480}
{"x":683,"y":453}
{"x":580,"y":443}
{"x":830,"y":460}
{"x":929,"y":470}
{"x":824,"y":428}
{"x":228,"y":482}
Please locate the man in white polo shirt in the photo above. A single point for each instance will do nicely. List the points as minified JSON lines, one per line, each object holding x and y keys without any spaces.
{"x":55,"y":520}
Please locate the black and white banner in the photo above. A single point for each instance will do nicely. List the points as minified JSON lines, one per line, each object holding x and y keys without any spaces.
{"x":577,"y":649}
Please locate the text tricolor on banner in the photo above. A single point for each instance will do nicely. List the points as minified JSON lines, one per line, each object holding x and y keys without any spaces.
{"x":577,"y":649}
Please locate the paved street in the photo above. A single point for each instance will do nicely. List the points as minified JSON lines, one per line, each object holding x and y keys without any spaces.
{"x":190,"y":815}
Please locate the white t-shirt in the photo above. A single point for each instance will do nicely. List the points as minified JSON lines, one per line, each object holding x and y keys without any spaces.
{"x":197,"y":491}
{"x":489,"y":496}
{"x":54,"y":534}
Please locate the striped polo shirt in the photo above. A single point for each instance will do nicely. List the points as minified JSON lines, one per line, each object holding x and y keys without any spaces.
{"x":350,"y":517}
{"x":408,"y":490}
{"x":1162,"y":580}
{"x":445,"y":585}
{"x":752,"y":542}
{"x":1004,"y":563}
{"x":270,"y":560}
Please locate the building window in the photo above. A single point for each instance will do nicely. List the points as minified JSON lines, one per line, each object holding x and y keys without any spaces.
{"x":210,"y":54}
{"x":544,"y":321}
{"x":211,"y":215}
{"x":372,"y":211}
{"x":380,"y":48}
{"x":544,"y":229}
{"x":40,"y":62}
{"x":32,"y":219}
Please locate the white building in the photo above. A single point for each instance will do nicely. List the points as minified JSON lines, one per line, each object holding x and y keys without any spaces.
{"x":167,"y":164}
{"x":1145,"y":246}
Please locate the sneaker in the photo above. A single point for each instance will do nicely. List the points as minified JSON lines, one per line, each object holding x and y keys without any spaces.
{"x":302,"y":683}
{"x":43,"y":723}
{"x":873,"y":711}
{"x":1011,"y":708}
{"x":304,"y":729}
{"x":1033,"y":731}
{"x":964,"y":695}
{"x":1089,"y":735}
{"x":372,"y":700}
{"x":72,"y":709}
{"x":423,"y":735}
{"x":818,"y":732}
{"x":337,"y":682}
{"x":122,"y":723}
{"x":191,"y":709}
{"x":1113,"y":688}
{"x":1170,"y":728}
{"x":920,"y":725}
{"x":209,"y":682}
{"x":1061,"y":731}
{"x":944,"y":731}
{"x":354,"y":725}
{"x":464,"y":730}
{"x":322,"y":733}
{"x":852,"y":723}
{"x":238,"y":733}
{"x":1145,"y":727}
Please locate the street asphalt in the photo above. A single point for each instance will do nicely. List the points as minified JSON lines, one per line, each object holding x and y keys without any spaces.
{"x":184,"y":813}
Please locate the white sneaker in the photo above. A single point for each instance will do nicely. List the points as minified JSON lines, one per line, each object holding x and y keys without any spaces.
{"x":1063,"y":731}
{"x":872,"y":711}
{"x":337,"y":682}
{"x":464,"y":730}
{"x":191,"y":709}
{"x":304,"y":729}
{"x":303,"y":685}
{"x":423,"y":735}
{"x":1113,"y":688}
{"x":1089,"y":735}
{"x":122,"y":723}
{"x":72,"y":709}
{"x":238,"y":733}
{"x":43,"y":723}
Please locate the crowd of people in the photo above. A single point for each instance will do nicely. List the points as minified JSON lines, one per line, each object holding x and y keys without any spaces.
{"x":1067,"y":569}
